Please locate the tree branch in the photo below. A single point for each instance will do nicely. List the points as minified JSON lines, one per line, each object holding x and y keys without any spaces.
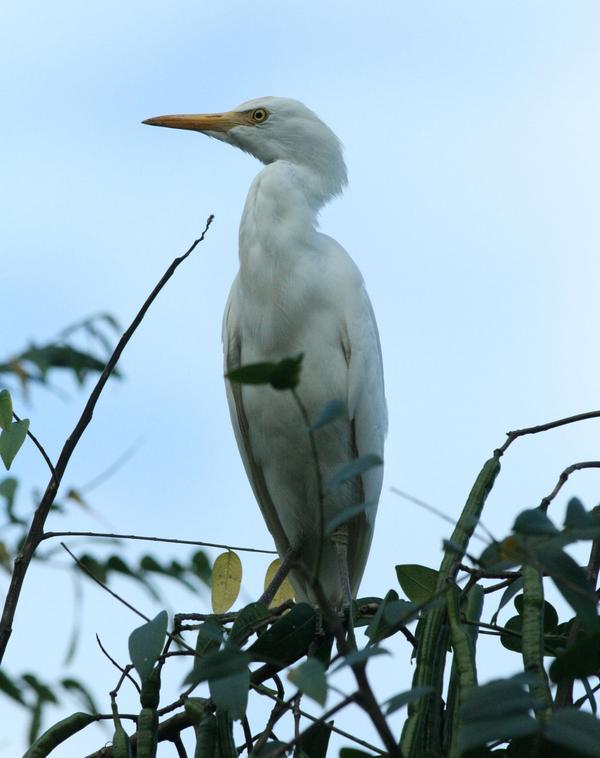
{"x":32,"y":540}
{"x":543,"y":506}
{"x":512,"y":436}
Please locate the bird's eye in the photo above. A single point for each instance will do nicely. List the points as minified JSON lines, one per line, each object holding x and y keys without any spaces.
{"x":259,"y":115}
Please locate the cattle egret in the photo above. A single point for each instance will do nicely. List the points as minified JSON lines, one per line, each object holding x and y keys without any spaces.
{"x":298,"y":291}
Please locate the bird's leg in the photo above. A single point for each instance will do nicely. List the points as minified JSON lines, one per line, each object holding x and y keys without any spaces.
{"x":287,"y":562}
{"x":339,"y":538}
{"x":340,"y":542}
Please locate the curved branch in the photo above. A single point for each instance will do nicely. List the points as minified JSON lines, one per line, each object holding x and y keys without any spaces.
{"x":32,"y":540}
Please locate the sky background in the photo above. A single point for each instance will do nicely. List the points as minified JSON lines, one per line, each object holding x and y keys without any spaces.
{"x":471,"y":138}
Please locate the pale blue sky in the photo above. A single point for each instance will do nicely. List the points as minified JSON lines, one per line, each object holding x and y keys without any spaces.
{"x":471,"y":140}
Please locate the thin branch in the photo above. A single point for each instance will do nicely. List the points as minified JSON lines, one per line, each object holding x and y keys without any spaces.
{"x":32,"y":540}
{"x":431,"y":509}
{"x":170,"y":540}
{"x":40,"y":447}
{"x":85,"y":569}
{"x":543,"y":506}
{"x":483,"y":574}
{"x":123,"y":670}
{"x":100,"y":478}
{"x":179,"y":746}
{"x":512,"y":436}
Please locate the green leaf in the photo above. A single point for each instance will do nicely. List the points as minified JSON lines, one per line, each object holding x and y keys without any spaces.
{"x":6,"y":409}
{"x":512,"y":641}
{"x":352,"y":752}
{"x":230,"y":693}
{"x":10,"y":688}
{"x":579,"y":660}
{"x":418,"y":582}
{"x":534,"y":522}
{"x":221,"y":664}
{"x":331,"y":411}
{"x":310,"y":679}
{"x":574,"y":730}
{"x":282,"y":375}
{"x":478,"y":733}
{"x":381,"y":625}
{"x":573,"y":584}
{"x":146,"y":644}
{"x":550,"y":614}
{"x":210,"y":635}
{"x":360,"y":656}
{"x":508,"y":593}
{"x":576,"y":516}
{"x":11,"y":440}
{"x":289,"y":637}
{"x":247,"y":621}
{"x":314,"y":742}
{"x":349,"y":513}
{"x":354,"y":468}
{"x":82,"y":692}
{"x":404,"y":698}
{"x":42,"y":690}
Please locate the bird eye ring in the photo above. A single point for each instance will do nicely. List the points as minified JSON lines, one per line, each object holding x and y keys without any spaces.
{"x":259,"y":115}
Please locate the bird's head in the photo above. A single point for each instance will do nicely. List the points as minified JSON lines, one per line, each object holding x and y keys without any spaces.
{"x":272,"y":129}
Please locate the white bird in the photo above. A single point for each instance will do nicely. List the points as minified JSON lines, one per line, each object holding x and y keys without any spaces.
{"x":298,"y":291}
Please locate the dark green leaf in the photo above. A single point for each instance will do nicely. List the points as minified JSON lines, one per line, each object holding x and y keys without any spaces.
{"x":6,"y":409}
{"x":146,"y":644}
{"x":247,"y":621}
{"x":43,"y":692}
{"x":575,"y":730}
{"x":534,"y":522}
{"x":354,"y":468}
{"x":478,"y":733}
{"x":379,"y":626}
{"x":514,"y":641}
{"x":550,"y":614}
{"x":508,"y":593}
{"x":82,"y":692}
{"x":360,"y":656}
{"x":289,"y":637}
{"x":576,"y":516}
{"x":282,"y":375}
{"x":310,"y":679}
{"x":8,"y":686}
{"x":11,"y":440}
{"x":404,"y":698}
{"x":230,"y":692}
{"x":210,"y":635}
{"x":573,"y":584}
{"x":351,"y":752}
{"x":418,"y":582}
{"x":498,"y":698}
{"x":331,"y":411}
{"x":580,"y":660}
{"x":349,"y":513}
{"x":314,"y":742}
{"x":200,"y":565}
{"x":221,"y":664}
{"x":269,"y":747}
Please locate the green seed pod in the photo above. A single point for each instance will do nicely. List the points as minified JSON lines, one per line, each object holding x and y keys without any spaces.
{"x":58,"y":733}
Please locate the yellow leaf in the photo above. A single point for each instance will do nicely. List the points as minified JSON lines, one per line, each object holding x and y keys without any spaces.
{"x":285,"y":591}
{"x":226,"y":581}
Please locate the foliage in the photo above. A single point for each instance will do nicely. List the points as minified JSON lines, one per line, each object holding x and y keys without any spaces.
{"x":236,"y":655}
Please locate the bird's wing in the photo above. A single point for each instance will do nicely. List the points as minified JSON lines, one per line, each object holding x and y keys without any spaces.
{"x":232,"y":347}
{"x":368,"y":416}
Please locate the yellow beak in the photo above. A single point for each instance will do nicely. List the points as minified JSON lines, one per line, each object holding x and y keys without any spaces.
{"x":203,"y":122}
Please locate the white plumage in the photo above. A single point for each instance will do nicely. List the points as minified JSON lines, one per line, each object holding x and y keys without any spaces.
{"x":298,"y":291}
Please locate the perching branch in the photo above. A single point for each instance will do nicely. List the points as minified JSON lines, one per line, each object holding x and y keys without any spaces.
{"x":512,"y":436}
{"x":34,"y":535}
{"x":543,"y":506}
{"x":170,"y":540}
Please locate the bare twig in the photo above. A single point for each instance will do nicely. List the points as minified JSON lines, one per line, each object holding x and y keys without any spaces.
{"x":543,"y":506}
{"x":512,"y":436}
{"x":32,"y":540}
{"x":40,"y":447}
{"x":431,"y":509}
{"x":123,"y":670}
{"x":84,"y":568}
{"x":170,"y":540}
